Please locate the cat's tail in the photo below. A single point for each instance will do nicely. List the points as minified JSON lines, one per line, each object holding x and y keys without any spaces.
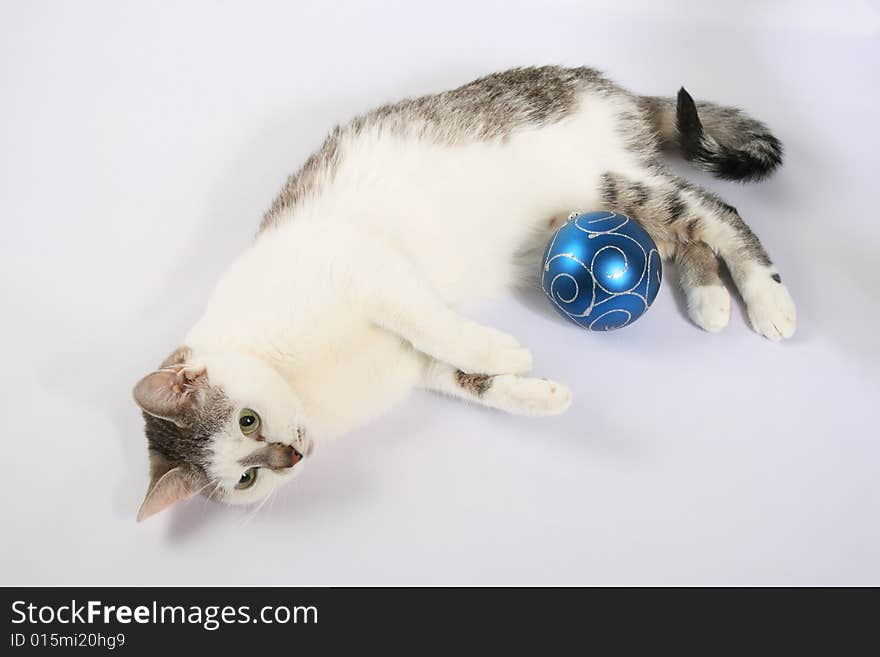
{"x":724,"y":141}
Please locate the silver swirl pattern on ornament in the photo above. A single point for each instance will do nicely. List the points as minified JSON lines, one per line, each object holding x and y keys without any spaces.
{"x":601,"y":270}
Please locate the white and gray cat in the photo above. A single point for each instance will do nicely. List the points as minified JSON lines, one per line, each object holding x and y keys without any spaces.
{"x":346,"y":299}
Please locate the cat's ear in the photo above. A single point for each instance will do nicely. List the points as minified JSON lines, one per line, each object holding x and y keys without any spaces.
{"x":172,"y":486}
{"x":172,"y":393}
{"x":178,"y":357}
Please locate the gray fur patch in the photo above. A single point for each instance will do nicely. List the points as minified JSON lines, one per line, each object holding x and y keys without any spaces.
{"x":697,"y":265}
{"x":675,"y":207}
{"x":624,"y":195}
{"x":609,"y":191}
{"x":640,"y":194}
{"x":749,"y":244}
{"x":475,"y":384}
{"x":173,"y":445}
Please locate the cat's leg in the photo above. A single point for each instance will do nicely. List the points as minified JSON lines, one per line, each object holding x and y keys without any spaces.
{"x":399,"y":300}
{"x":430,"y":326}
{"x":708,"y":301}
{"x":673,"y":210}
{"x":769,"y":305}
{"x":508,"y":392}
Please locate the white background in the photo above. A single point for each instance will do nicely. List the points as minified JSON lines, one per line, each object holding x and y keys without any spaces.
{"x":139,"y":145}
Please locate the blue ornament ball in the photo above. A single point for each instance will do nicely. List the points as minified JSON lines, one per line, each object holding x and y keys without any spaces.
{"x":601,"y":270}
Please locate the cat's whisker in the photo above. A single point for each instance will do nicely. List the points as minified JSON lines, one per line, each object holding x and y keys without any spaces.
{"x":253,"y":514}
{"x":210,"y":495}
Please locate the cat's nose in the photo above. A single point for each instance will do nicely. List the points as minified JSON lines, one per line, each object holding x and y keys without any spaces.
{"x":283,"y":456}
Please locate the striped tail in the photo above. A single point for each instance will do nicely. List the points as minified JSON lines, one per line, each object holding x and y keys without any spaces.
{"x":724,"y":141}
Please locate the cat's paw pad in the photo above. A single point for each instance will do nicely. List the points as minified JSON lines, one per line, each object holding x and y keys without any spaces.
{"x":709,"y":307}
{"x":528,"y":396}
{"x":771,"y":309}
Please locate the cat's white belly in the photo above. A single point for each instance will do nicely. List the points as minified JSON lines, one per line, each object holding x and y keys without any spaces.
{"x":461,"y":212}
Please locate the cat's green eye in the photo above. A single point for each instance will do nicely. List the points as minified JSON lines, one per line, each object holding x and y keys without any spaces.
{"x":248,"y":421}
{"x":247,"y":479}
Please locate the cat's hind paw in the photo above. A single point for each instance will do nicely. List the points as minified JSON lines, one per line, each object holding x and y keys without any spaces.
{"x":709,"y":306}
{"x":770,"y":308}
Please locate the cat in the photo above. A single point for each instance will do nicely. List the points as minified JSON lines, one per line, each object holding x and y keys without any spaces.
{"x":345,"y":300}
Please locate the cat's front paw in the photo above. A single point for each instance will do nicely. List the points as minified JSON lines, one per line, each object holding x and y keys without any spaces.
{"x":709,"y":306}
{"x":528,"y":396}
{"x":485,"y":350}
{"x":770,"y":308}
{"x":506,"y":360}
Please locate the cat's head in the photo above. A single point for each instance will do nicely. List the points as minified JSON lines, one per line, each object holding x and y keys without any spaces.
{"x":227,"y":425}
